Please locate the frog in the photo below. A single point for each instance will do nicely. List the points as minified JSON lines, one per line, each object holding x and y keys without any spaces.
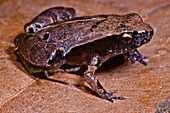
{"x":84,"y":42}
{"x":49,"y":16}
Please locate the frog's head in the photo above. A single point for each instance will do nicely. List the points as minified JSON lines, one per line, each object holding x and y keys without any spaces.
{"x":136,"y":38}
{"x":133,"y":31}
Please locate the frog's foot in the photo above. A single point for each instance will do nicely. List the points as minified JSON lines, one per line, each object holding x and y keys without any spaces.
{"x":136,"y":56}
{"x":104,"y":94}
{"x":110,"y":96}
{"x":95,"y":84}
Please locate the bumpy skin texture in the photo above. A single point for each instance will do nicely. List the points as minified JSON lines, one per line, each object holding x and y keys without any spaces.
{"x":82,"y":42}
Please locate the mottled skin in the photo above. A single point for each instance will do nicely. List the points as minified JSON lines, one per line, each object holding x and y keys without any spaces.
{"x":82,"y":30}
{"x":84,"y":41}
{"x":49,"y":16}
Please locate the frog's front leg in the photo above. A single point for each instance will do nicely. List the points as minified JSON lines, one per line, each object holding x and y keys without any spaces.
{"x":94,"y":82}
{"x":134,"y":55}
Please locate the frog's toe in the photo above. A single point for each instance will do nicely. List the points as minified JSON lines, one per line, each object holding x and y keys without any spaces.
{"x":136,"y":56}
{"x":142,"y":62}
{"x":110,"y":96}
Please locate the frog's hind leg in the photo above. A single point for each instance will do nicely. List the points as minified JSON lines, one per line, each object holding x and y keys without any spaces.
{"x":94,"y":82}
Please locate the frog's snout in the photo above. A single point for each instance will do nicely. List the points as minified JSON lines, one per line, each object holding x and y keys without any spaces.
{"x":143,"y":37}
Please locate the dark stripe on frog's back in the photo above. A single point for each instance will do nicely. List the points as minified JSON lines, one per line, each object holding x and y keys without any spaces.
{"x":81,"y":30}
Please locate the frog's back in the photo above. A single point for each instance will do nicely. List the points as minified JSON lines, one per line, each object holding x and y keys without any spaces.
{"x":82,"y":30}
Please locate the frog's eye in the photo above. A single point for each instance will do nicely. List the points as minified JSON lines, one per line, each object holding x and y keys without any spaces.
{"x":45,"y":36}
{"x":126,"y":38}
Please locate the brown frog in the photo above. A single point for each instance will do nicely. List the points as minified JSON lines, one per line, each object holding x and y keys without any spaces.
{"x":49,"y":16}
{"x":82,"y":42}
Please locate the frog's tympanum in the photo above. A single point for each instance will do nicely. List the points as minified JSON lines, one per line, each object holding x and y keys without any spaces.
{"x":56,"y":37}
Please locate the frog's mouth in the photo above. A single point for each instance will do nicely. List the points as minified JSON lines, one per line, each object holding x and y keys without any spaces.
{"x":142,"y":37}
